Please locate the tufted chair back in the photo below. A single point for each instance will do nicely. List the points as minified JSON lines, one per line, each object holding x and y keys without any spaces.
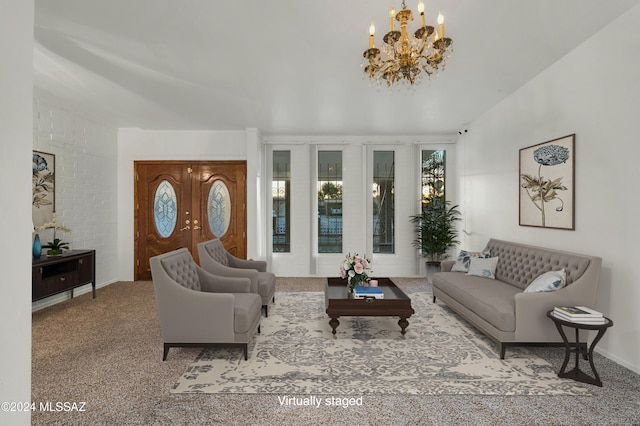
{"x":182,"y":269}
{"x":518,"y":265}
{"x":217,"y":251}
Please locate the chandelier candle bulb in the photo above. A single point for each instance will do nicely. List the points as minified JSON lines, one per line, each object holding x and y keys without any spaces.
{"x":441,"y":24}
{"x":421,"y":10}
{"x":392,"y":14}
{"x":372,"y":31}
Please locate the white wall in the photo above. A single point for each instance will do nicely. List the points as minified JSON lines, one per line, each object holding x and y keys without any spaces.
{"x":85,"y":149}
{"x":593,"y":92}
{"x":138,"y":145}
{"x":357,"y":158}
{"x":16,"y":86}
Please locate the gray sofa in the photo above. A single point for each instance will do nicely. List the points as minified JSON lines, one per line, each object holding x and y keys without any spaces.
{"x":499,"y":307}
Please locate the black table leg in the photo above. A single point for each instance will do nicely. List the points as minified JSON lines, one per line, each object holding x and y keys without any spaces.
{"x":576,"y":373}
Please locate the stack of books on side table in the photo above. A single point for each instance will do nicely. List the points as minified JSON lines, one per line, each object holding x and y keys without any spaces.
{"x":579,"y":314}
{"x":360,"y":292}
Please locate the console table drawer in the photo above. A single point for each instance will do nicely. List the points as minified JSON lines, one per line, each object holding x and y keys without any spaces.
{"x":59,"y":283}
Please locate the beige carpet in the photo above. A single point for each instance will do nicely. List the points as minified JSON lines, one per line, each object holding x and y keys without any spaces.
{"x":296,"y":353}
{"x":107,"y":352}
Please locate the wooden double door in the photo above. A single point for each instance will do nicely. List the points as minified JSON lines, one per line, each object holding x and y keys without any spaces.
{"x":182,"y":203}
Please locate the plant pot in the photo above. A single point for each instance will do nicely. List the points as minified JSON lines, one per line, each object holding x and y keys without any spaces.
{"x":432,"y":268}
{"x":54,"y":252}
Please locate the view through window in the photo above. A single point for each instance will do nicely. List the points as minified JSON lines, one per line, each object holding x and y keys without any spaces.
{"x":281,"y":195}
{"x":383,"y":202}
{"x":433,"y":177}
{"x":329,"y":201}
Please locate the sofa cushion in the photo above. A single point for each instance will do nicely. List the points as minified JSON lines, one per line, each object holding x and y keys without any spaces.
{"x":483,"y":267}
{"x":464,"y":259}
{"x":549,"y":281}
{"x":247,"y":307}
{"x":492,"y":300}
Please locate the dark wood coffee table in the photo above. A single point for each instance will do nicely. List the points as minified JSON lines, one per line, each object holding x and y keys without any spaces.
{"x":340,"y":302}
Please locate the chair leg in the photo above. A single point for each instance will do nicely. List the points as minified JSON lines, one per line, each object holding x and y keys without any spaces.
{"x":246,"y":351}
{"x":266,"y":310}
{"x":434,"y":299}
{"x":166,"y":352}
{"x":258,"y":328}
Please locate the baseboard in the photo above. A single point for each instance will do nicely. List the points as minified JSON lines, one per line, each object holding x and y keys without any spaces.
{"x":617,"y":360}
{"x":61,"y":297}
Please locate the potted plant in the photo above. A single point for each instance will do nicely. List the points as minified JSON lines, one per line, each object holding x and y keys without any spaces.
{"x":436,"y":232}
{"x":57,"y":245}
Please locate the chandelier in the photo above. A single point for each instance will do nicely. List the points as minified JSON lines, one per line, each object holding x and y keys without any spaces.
{"x":406,"y":59}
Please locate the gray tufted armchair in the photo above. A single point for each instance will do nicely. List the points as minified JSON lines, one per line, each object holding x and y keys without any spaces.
{"x":214,"y":258}
{"x":199,"y":309}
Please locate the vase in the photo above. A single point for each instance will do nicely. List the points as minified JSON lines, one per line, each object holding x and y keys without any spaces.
{"x":37,"y":247}
{"x":432,"y":268}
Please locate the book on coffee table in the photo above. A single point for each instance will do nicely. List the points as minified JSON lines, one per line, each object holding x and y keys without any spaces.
{"x":360,"y":292}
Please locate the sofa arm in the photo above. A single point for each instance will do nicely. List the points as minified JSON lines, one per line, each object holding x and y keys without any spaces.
{"x":258,"y":265}
{"x":213,"y":267}
{"x":446,"y":265}
{"x":220,"y":284}
{"x":531,"y":308}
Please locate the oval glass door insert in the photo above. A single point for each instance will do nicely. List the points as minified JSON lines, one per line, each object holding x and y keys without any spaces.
{"x":165,"y":209}
{"x":219,"y":208}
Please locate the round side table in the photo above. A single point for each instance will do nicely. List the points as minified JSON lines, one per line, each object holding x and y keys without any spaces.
{"x":576,"y":373}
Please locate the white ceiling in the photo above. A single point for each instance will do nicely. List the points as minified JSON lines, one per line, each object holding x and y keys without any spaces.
{"x":292,"y":67}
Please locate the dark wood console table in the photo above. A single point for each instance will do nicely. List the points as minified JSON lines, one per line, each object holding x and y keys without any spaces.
{"x":54,"y":274}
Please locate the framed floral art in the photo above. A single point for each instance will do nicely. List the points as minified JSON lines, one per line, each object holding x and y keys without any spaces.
{"x":547,"y":184}
{"x":43,"y":187}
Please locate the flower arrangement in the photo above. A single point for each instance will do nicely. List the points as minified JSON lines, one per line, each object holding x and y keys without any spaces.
{"x":57,"y":245}
{"x":355,"y":269}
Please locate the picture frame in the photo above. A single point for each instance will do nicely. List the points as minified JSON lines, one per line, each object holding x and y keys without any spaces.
{"x":43,"y":187}
{"x":547,"y":184}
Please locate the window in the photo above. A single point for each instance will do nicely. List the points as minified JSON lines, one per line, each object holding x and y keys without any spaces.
{"x":165,"y":210}
{"x":433,"y":175}
{"x":281,"y":195}
{"x":383,"y":202}
{"x":329,"y":201}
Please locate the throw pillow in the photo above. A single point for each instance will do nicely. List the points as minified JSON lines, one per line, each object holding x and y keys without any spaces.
{"x":482,"y":267}
{"x":464,"y":258}
{"x":549,"y":281}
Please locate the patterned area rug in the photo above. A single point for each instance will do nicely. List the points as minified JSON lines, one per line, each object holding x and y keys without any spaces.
{"x":440,"y":354}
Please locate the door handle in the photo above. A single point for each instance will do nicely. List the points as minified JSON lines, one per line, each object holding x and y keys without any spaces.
{"x":186,"y":228}
{"x":195,"y":225}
